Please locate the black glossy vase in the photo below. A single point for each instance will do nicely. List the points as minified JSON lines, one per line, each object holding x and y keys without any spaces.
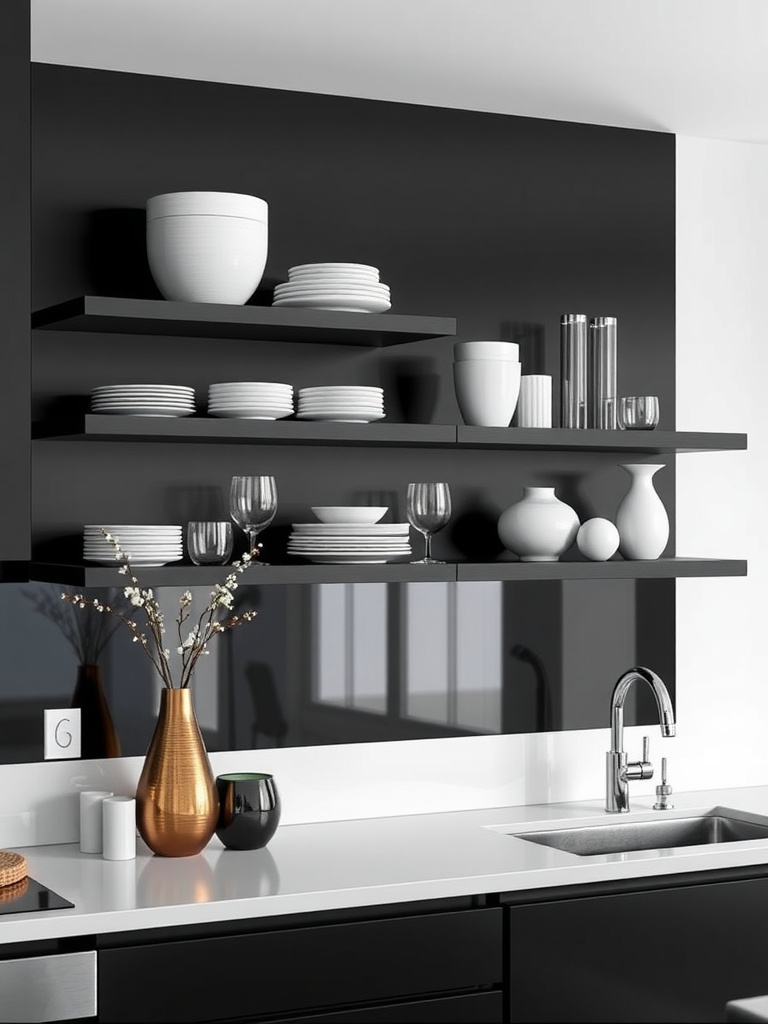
{"x":249,"y":810}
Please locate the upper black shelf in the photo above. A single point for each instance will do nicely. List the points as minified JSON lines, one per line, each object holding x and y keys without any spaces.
{"x":96,"y":313}
{"x":201,"y":429}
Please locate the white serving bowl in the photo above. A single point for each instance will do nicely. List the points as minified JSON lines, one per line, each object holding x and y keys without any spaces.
{"x":349,"y":513}
{"x":207,"y":246}
{"x":487,"y":391}
{"x":486,"y":350}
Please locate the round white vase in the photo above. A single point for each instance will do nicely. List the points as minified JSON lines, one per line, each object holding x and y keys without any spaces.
{"x":539,"y":527}
{"x":641,"y":518}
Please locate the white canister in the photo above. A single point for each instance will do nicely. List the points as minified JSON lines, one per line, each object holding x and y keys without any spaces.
{"x":91,"y":827}
{"x":119,"y":827}
{"x":534,"y":406}
{"x":207,"y":246}
{"x":540,"y":527}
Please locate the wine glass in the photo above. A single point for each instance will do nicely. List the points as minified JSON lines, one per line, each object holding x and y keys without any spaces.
{"x":428,"y":507}
{"x":252,"y":505}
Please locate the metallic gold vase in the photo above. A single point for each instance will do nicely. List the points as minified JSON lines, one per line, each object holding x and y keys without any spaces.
{"x":176,"y":800}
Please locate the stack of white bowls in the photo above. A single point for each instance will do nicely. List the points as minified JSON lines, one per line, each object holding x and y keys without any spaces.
{"x":346,"y":403}
{"x":250,"y":400}
{"x":146,"y":545}
{"x":349,"y":287}
{"x":143,"y":400}
{"x":207,"y":246}
{"x":349,"y":534}
{"x":486,"y":376}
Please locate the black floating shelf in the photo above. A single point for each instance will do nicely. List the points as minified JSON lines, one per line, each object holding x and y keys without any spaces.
{"x":93,"y":427}
{"x":618,"y":569}
{"x":90,"y":426}
{"x":209,"y":575}
{"x":651,"y":442}
{"x":393,"y":572}
{"x":107,"y":315}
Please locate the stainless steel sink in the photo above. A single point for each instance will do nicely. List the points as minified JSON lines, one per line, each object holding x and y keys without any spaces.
{"x":714,"y":827}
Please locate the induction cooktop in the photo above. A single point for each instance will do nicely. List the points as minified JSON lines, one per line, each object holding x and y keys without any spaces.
{"x":28,"y":895}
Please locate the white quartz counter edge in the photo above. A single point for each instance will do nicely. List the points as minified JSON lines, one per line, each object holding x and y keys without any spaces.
{"x":342,"y":864}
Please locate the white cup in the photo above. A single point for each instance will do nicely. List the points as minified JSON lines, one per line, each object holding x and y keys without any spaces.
{"x":486,"y":350}
{"x":487,"y":391}
{"x":91,"y":819}
{"x":535,"y":406}
{"x":119,"y":827}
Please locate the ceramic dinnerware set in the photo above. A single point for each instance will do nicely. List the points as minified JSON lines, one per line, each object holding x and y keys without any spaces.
{"x":349,"y":535}
{"x":347,"y":287}
{"x":147,"y":546}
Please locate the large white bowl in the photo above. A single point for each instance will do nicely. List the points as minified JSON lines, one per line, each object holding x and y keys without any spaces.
{"x":486,"y":350}
{"x":207,"y":246}
{"x":487,"y":391}
{"x":349,"y":513}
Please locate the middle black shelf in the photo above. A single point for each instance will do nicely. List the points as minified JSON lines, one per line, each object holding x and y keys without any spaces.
{"x":204,"y":429}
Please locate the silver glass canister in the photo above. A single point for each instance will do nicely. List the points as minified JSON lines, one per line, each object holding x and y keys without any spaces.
{"x":573,"y":370}
{"x":601,"y":373}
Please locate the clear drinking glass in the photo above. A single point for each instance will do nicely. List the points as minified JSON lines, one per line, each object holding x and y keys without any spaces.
{"x":252,"y":506}
{"x":209,"y":543}
{"x":428,"y":507}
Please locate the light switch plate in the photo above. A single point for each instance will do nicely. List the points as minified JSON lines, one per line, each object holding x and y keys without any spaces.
{"x":62,"y":733}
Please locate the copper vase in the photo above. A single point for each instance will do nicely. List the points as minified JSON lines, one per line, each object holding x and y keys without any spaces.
{"x":177,"y":802}
{"x":98,"y":736}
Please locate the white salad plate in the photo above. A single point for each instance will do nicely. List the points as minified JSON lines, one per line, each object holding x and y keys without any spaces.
{"x":351,"y":529}
{"x":340,"y":403}
{"x":361,"y":268}
{"x":175,"y":389}
{"x":340,"y":389}
{"x":340,"y":303}
{"x":241,"y":389}
{"x":137,"y":527}
{"x":330,"y":286}
{"x":140,"y":403}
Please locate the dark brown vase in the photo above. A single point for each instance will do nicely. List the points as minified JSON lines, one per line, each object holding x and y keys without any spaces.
{"x":177,"y":804}
{"x":98,"y":736}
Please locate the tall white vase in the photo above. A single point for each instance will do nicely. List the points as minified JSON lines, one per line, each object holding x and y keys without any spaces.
{"x":641,"y":519}
{"x":540,"y":527}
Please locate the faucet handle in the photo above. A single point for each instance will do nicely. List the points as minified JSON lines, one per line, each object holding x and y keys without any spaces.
{"x":641,"y":769}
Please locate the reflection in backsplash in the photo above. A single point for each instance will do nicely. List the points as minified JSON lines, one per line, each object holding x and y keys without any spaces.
{"x":345,"y":663}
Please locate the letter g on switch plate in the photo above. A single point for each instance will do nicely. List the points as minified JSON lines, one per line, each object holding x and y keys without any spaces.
{"x":61,"y":733}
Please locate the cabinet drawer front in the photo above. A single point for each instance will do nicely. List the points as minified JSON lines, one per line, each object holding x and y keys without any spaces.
{"x":298,"y":969}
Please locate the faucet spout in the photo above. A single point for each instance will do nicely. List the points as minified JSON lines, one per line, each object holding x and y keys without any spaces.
{"x":619,"y":771}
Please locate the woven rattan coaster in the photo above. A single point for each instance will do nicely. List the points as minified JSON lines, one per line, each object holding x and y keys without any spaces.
{"x":13,"y":867}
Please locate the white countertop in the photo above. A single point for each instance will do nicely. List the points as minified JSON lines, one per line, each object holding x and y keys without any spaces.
{"x":359,"y":863}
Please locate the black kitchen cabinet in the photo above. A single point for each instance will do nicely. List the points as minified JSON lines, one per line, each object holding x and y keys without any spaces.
{"x":441,"y":965}
{"x":669,"y":951}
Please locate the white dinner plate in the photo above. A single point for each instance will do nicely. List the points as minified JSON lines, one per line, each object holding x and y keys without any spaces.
{"x":138,"y":527}
{"x":351,"y":408}
{"x":138,"y":563}
{"x":285,"y":290}
{"x":251,"y":389}
{"x":338,"y":303}
{"x":353,"y":559}
{"x":340,"y":417}
{"x":181,"y":389}
{"x":159,"y":410}
{"x":248,"y":413}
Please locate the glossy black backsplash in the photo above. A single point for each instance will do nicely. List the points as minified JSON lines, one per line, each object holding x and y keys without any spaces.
{"x":348,"y":663}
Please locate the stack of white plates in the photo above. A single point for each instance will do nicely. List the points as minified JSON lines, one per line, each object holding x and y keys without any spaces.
{"x":146,"y":545}
{"x":251,"y":400}
{"x":349,"y":287}
{"x":143,"y":400}
{"x":347,"y":403}
{"x":346,"y":542}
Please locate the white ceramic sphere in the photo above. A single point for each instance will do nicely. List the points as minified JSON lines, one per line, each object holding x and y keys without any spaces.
{"x":487,"y":391}
{"x":598,"y":539}
{"x":540,"y":527}
{"x":207,"y":257}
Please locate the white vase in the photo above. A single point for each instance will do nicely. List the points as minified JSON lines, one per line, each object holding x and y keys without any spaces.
{"x":641,"y":518}
{"x":540,"y":527}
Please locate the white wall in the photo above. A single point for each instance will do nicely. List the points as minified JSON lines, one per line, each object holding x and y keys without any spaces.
{"x":722,"y":372}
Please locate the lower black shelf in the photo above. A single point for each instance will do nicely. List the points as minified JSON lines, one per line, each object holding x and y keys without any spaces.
{"x":393,"y":572}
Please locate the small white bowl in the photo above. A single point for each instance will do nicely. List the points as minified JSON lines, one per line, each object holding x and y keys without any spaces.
{"x":349,"y":513}
{"x":464,"y":350}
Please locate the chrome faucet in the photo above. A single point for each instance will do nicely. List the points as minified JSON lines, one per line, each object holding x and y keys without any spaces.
{"x":618,"y":771}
